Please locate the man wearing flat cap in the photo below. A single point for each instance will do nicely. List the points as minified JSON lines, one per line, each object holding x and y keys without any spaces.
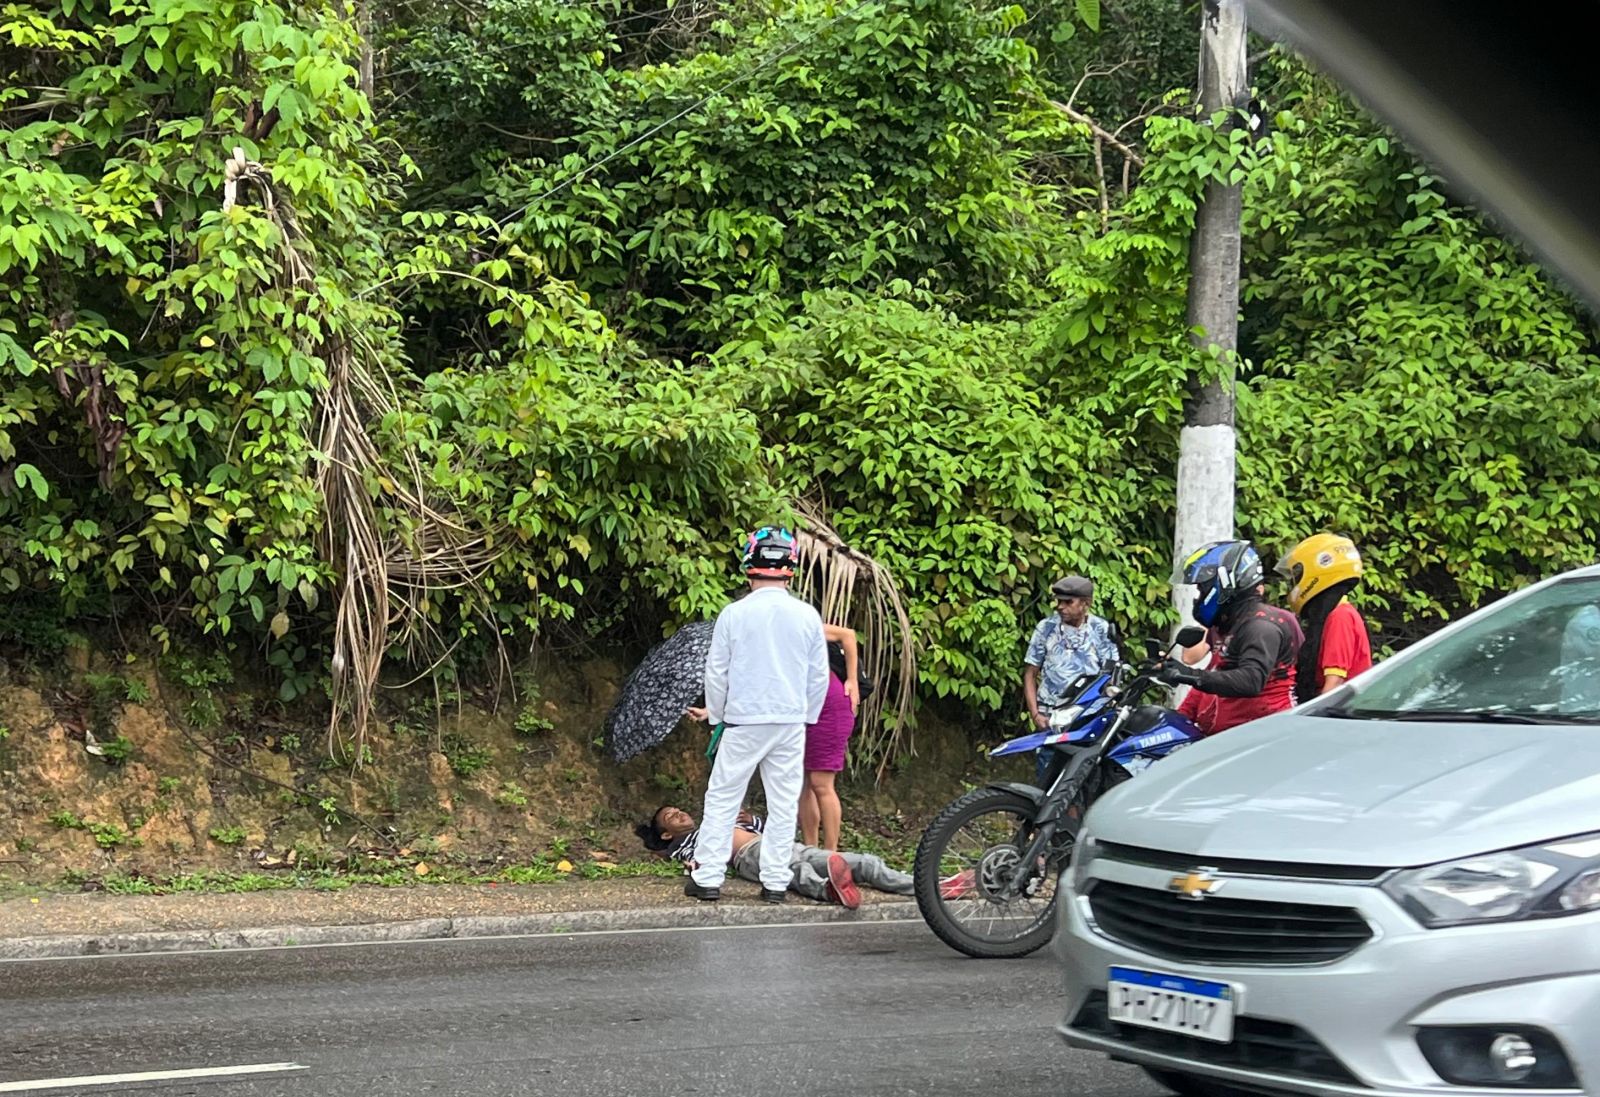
{"x":1068,"y":644}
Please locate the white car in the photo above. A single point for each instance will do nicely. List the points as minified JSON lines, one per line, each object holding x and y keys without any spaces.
{"x":1392,"y":890}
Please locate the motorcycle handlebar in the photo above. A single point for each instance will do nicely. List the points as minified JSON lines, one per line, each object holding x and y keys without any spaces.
{"x":1143,"y":678}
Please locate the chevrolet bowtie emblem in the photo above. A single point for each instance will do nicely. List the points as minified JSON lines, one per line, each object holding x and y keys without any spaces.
{"x":1196,"y":884}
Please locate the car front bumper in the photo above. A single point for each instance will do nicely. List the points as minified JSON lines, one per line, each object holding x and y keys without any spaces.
{"x":1364,"y":1010}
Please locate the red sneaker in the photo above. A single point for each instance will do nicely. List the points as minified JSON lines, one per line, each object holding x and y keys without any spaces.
{"x":958,"y":886}
{"x":841,"y":885}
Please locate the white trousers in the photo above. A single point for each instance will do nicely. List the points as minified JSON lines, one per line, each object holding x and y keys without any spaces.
{"x":778,"y":751}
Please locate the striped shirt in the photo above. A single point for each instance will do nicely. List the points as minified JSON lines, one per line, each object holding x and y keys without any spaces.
{"x":683,"y":849}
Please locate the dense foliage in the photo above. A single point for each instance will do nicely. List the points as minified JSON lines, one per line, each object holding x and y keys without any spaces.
{"x":621,"y":278}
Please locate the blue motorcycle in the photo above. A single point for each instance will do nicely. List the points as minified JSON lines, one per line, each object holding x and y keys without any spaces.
{"x":988,"y":867}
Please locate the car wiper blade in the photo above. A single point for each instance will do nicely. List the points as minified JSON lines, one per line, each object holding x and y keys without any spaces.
{"x":1468,"y":716}
{"x":1457,"y":716}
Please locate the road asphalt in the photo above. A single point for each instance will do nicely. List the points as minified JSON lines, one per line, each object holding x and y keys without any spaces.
{"x":821,"y":1008}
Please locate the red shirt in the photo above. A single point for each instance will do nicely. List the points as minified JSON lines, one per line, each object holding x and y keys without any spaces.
{"x":1265,"y":637}
{"x":1212,"y":714}
{"x":1346,"y":649}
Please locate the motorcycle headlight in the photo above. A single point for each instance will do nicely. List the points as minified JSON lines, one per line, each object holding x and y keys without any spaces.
{"x":1063,"y":718}
{"x":1543,"y":881}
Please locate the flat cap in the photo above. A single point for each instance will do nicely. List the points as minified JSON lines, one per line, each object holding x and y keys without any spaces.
{"x":1073,"y":586}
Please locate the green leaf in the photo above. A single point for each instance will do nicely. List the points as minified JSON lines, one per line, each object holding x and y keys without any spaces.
{"x":26,"y":476}
{"x":1089,"y":12}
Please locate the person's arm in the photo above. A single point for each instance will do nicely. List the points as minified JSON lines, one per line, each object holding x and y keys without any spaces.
{"x":1030,"y":676}
{"x":1030,"y":694}
{"x":817,"y":671}
{"x":846,"y":639}
{"x":717,"y":663}
{"x":1253,"y":648}
{"x":1338,"y":651}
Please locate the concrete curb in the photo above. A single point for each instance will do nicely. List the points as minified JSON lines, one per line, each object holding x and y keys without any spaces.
{"x":434,"y":929}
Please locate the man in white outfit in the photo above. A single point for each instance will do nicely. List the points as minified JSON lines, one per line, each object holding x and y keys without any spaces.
{"x":766,"y":679}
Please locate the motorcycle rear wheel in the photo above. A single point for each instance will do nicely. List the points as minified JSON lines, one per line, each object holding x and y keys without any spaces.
{"x":967,"y":856}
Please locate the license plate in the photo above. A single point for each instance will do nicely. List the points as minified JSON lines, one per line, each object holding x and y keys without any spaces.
{"x":1172,"y":1003}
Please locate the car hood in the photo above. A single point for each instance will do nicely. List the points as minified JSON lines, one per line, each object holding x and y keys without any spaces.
{"x":1302,"y":788}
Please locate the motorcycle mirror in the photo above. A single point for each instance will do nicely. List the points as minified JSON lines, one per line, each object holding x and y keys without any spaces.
{"x":1153,"y":649}
{"x":1189,"y":636}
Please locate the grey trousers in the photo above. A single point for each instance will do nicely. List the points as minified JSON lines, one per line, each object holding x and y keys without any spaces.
{"x":808,"y":868}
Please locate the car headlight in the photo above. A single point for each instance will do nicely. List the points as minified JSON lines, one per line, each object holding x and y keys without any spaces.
{"x":1543,"y":881}
{"x":1083,"y":855}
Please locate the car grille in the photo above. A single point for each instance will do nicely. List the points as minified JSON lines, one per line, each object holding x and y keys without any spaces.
{"x":1271,"y":1047}
{"x":1235,"y":866}
{"x":1225,"y":931}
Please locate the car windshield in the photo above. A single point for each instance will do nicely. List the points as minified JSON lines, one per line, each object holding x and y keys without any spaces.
{"x":1535,"y":659}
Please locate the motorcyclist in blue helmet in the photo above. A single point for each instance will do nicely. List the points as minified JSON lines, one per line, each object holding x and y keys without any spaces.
{"x":1255,"y":645}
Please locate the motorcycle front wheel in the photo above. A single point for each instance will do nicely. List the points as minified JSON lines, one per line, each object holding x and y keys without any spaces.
{"x":967,"y":858}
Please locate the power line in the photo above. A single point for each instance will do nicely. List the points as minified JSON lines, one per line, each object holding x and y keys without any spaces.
{"x":766,"y":63}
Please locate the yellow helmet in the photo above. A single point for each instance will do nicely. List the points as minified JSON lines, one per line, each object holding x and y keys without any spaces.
{"x":1316,"y":564}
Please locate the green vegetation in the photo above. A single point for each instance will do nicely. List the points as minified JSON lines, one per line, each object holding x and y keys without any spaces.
{"x":512,"y":794}
{"x":227,"y":836}
{"x":106,"y":835}
{"x":534,"y":872}
{"x":591,"y":287}
{"x":466,"y":758}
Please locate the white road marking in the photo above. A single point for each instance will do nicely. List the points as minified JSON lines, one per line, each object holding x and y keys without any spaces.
{"x":147,"y":1076}
{"x":840,"y":923}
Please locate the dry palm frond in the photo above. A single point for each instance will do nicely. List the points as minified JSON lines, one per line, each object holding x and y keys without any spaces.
{"x":389,"y":560}
{"x":852,"y":589}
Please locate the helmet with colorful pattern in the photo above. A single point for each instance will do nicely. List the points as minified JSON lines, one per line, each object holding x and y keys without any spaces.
{"x":770,"y":553}
{"x":1225,"y":572}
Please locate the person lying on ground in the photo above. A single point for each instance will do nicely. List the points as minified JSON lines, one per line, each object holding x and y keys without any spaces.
{"x":823,"y":875}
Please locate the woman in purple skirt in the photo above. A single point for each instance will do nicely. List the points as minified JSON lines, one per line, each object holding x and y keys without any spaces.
{"x":826,"y":741}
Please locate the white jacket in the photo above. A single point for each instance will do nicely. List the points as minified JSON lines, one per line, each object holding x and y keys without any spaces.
{"x":768,"y":661}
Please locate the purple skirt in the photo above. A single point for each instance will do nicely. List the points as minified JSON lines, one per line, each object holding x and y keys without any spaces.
{"x":827,"y":739}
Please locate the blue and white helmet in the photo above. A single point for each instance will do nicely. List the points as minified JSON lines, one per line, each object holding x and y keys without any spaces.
{"x":1224,"y":572}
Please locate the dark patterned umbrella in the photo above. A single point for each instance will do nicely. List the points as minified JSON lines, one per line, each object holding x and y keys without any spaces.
{"x":669,"y":680}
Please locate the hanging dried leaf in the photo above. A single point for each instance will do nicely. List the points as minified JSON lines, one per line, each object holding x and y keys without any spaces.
{"x":385,"y":562}
{"x":851,"y":588}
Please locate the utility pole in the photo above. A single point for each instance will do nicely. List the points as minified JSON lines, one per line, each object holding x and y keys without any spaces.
{"x":1206,"y":444}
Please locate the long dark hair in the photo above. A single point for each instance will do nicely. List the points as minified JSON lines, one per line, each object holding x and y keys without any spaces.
{"x":649,"y":832}
{"x":1313,"y":615}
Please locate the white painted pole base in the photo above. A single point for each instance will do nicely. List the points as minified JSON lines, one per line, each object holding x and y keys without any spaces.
{"x":1205,"y":507}
{"x":1205,"y":501}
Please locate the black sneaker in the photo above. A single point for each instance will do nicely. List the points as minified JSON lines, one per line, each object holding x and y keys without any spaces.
{"x":773,"y":897}
{"x":704,"y":894}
